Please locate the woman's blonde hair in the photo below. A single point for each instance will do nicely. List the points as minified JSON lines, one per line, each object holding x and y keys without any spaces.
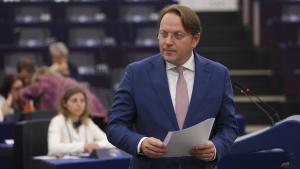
{"x":69,"y":93}
{"x":43,"y":71}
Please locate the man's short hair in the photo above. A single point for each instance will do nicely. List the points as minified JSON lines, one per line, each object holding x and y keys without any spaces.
{"x":189,"y":18}
{"x":25,"y":64}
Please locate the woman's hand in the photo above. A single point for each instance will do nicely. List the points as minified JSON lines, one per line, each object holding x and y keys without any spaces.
{"x":7,"y":104}
{"x":89,"y":147}
{"x":62,"y":68}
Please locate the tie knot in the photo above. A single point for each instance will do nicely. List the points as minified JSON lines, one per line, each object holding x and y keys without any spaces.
{"x":179,"y":69}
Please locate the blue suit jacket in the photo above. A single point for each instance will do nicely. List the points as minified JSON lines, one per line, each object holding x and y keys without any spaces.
{"x":142,"y":107}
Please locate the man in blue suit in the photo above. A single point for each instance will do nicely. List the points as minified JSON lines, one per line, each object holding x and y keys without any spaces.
{"x":171,"y":91}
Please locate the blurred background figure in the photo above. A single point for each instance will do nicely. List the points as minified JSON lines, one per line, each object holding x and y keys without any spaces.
{"x":10,"y":101}
{"x":72,"y":131}
{"x":60,"y":64}
{"x":25,"y":70}
{"x":46,"y":90}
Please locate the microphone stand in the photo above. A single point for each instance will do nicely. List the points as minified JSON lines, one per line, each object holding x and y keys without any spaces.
{"x":246,"y":91}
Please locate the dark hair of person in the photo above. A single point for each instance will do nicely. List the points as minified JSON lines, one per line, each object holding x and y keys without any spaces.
{"x":67,"y":95}
{"x":6,"y":87}
{"x":25,"y":64}
{"x":190,"y":20}
{"x":7,"y":84}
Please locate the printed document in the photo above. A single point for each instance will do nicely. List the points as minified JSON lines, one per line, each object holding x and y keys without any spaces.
{"x":179,"y":143}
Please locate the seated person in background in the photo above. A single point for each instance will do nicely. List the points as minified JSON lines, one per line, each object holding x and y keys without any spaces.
{"x":10,"y":101}
{"x":60,"y":64}
{"x":46,"y":89}
{"x":25,"y":70}
{"x":72,"y":131}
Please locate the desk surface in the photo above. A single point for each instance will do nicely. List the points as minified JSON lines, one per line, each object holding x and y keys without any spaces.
{"x":6,"y":150}
{"x":270,"y":159}
{"x":83,"y":163}
{"x":6,"y":130}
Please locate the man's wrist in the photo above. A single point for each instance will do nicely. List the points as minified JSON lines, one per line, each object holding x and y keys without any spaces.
{"x":139,"y":147}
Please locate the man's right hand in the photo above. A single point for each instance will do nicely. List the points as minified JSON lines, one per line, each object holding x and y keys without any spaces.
{"x":153,"y":147}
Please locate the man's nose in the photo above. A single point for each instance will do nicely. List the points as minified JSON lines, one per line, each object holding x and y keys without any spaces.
{"x":169,"y":40}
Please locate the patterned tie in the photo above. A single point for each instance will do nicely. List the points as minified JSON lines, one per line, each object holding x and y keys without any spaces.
{"x":182,"y":98}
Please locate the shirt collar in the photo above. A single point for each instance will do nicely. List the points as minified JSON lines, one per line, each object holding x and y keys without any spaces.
{"x":189,"y":64}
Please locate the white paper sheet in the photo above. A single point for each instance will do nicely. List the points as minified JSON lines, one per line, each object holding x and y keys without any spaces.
{"x":53,"y":157}
{"x":179,"y":143}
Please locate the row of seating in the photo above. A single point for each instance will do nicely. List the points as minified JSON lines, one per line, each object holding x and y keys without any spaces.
{"x":86,"y":24}
{"x":30,"y":138}
{"x":29,"y":134}
{"x":263,"y":21}
{"x":101,"y":35}
{"x":279,"y":31}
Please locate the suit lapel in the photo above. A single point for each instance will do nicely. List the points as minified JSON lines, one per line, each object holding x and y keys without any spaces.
{"x":201,"y":83}
{"x":160,"y":84}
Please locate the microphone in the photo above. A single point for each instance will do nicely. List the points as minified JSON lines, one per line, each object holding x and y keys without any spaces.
{"x":249,"y":94}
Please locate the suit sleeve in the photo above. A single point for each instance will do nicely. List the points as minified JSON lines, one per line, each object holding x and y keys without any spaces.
{"x":122,"y":116}
{"x":225,"y":129}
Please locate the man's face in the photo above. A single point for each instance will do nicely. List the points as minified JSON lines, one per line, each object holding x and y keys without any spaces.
{"x":175,"y":44}
{"x":25,"y":76}
{"x":59,"y":58}
{"x":16,"y":87}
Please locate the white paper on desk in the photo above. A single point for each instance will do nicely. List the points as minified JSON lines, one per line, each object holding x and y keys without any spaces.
{"x":179,"y":143}
{"x":53,"y":157}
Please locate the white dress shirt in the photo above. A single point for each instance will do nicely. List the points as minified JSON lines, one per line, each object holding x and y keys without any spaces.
{"x":188,"y":73}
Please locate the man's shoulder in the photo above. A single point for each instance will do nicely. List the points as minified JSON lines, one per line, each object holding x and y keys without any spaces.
{"x":146,"y":61}
{"x":211,"y":63}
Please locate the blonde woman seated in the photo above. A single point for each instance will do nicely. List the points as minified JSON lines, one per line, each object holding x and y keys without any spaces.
{"x":72,"y":132}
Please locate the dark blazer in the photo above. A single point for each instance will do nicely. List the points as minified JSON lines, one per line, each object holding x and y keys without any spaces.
{"x":142,"y":107}
{"x":73,"y":71}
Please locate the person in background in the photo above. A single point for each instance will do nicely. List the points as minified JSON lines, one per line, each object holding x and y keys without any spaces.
{"x":72,"y":131}
{"x":171,"y":91}
{"x":10,"y":101}
{"x":60,"y":64}
{"x":25,"y":70}
{"x":46,"y":90}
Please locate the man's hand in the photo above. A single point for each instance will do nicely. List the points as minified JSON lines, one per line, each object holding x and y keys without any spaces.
{"x":205,"y":152}
{"x":153,"y":148}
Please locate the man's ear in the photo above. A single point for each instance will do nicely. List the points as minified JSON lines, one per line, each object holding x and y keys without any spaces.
{"x":196,"y":39}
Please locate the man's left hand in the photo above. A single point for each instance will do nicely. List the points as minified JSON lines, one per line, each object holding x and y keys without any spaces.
{"x":205,"y":152}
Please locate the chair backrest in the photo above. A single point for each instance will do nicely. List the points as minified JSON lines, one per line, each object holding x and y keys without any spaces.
{"x":11,"y":60}
{"x":86,"y":36}
{"x":30,"y":140}
{"x":6,"y":130}
{"x":40,"y":114}
{"x":33,"y":37}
